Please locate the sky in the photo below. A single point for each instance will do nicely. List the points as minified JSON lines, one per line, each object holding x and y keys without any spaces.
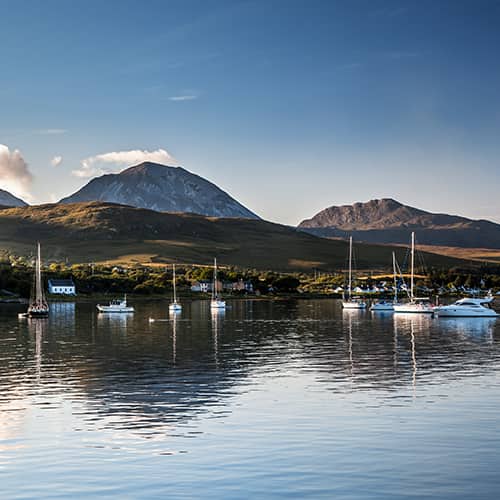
{"x":290,"y":106}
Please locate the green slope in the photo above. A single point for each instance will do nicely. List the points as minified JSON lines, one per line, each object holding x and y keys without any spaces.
{"x":97,"y":232}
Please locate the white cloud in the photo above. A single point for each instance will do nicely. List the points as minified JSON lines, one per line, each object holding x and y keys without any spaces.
{"x":56,"y":161}
{"x":186,"y":97}
{"x":15,"y":175}
{"x":112,"y":162}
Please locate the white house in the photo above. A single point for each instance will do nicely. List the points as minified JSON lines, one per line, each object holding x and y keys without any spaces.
{"x":62,"y":287}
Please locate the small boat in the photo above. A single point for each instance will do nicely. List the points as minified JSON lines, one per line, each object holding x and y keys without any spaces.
{"x":216,"y":302}
{"x":174,"y":306}
{"x":468,"y":307}
{"x":38,"y":306}
{"x":116,"y":306}
{"x":352,"y":302}
{"x":418,"y":305}
{"x":382,"y":305}
{"x":386,"y":305}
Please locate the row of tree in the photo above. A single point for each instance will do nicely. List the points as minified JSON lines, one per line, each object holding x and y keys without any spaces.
{"x":17,"y":277}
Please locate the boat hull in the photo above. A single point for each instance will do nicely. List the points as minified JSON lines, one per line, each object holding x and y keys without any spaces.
{"x":414,"y":309}
{"x":217,"y":304}
{"x":382,"y":307}
{"x":462,"y":312}
{"x":353,"y":305}
{"x":37,"y":314}
{"x":110,"y":309}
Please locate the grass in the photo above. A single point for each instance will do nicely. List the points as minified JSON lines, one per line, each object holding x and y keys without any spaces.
{"x":105,"y":232}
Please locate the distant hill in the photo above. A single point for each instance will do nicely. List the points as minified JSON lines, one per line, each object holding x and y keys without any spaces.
{"x":99,"y":232}
{"x":162,"y":188}
{"x":388,"y":221}
{"x":9,"y":200}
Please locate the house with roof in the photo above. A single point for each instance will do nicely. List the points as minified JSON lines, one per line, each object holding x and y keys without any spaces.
{"x":62,"y":287}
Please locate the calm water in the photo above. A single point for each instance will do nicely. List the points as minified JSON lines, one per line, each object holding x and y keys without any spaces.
{"x":285,"y":399}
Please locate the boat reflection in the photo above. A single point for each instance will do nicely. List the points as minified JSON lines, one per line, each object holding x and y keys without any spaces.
{"x":469,"y":328}
{"x":121,"y":320}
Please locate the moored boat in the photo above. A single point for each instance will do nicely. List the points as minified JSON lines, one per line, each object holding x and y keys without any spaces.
{"x":468,"y":307}
{"x":116,"y":306}
{"x":216,"y":302}
{"x":38,"y":306}
{"x":174,"y":306}
{"x":352,"y":302}
{"x":416,"y":305}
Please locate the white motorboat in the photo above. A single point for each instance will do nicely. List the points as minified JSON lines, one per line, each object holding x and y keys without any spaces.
{"x":416,"y":305}
{"x":352,"y":302}
{"x":116,"y":306}
{"x":468,"y":307}
{"x":216,"y":302}
{"x":174,"y":306}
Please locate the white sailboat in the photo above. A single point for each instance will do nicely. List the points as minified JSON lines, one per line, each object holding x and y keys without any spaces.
{"x":174,"y":306}
{"x":216,"y":302}
{"x":386,"y":305}
{"x":419,"y":305}
{"x":38,"y":306}
{"x":351,"y":303}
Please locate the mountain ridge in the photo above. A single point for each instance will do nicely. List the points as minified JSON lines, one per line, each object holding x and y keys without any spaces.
{"x":9,"y":200}
{"x":162,"y":188}
{"x":388,"y":221}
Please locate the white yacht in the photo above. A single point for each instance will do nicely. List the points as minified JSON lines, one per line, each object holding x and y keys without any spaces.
{"x":468,"y":307}
{"x":419,"y":305}
{"x":174,"y":306}
{"x":352,"y":302}
{"x":216,"y":302}
{"x":116,"y":306}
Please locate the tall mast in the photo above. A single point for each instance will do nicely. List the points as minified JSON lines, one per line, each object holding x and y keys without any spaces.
{"x":38,"y":278}
{"x":350,"y":266}
{"x":175,"y":295}
{"x":395,"y":279}
{"x":412,"y":263}
{"x":214,"y":288}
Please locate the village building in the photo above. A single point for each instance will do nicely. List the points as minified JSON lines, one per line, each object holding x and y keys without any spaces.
{"x":62,"y":287}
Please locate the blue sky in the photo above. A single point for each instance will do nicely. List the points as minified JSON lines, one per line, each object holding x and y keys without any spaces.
{"x":290,"y":106}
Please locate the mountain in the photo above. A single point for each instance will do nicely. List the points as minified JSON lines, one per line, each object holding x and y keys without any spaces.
{"x":161,"y":188}
{"x":9,"y":200}
{"x":107,"y":232}
{"x":388,"y":221}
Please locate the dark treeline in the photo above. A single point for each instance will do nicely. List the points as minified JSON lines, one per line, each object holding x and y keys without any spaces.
{"x":16,"y":276}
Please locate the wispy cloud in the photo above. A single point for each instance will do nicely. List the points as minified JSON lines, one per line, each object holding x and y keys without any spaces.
{"x":112,"y":162}
{"x":352,"y":65}
{"x":51,"y":131}
{"x":185,"y":97}
{"x":56,"y":161}
{"x":400,"y":54}
{"x":15,"y":175}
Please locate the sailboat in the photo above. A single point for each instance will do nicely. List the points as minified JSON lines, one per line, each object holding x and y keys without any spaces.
{"x":38,"y":306}
{"x":174,"y":306}
{"x":420,"y":305}
{"x":385,"y":305}
{"x":351,"y":303}
{"x":216,"y":302}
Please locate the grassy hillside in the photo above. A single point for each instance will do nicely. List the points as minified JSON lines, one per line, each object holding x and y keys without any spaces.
{"x":105,"y":232}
